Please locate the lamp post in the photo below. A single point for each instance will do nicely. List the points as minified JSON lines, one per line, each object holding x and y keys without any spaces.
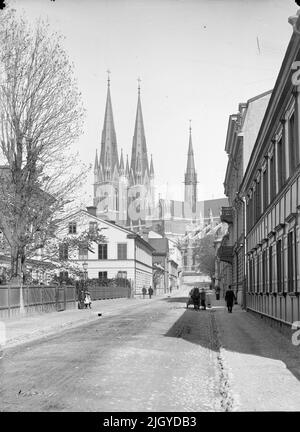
{"x":85,"y":266}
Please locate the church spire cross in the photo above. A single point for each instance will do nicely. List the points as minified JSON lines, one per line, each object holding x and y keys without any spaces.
{"x":108,"y":77}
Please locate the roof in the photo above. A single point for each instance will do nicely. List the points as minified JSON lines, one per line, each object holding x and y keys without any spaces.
{"x":215,"y":206}
{"x":112,"y":224}
{"x":160,"y":245}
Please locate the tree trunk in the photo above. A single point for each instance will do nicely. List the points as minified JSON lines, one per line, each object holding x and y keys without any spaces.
{"x":16,"y":273}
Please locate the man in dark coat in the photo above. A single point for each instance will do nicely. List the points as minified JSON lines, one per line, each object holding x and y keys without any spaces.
{"x":203,"y":298}
{"x":229,"y":298}
{"x":150,"y":292}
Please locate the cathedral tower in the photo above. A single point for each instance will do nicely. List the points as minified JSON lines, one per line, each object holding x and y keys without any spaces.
{"x":190,"y":180}
{"x":141,"y":177}
{"x":106,"y":169}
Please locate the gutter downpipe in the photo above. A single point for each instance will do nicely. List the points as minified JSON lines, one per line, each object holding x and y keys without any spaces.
{"x":245,"y":255}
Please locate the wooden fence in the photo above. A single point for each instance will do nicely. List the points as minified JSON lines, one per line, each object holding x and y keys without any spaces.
{"x":99,"y":292}
{"x":31,"y":299}
{"x":45,"y":298}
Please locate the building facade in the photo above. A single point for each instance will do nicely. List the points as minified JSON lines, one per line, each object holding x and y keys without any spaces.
{"x":242,"y":132}
{"x":123,"y":253}
{"x":271,"y":186}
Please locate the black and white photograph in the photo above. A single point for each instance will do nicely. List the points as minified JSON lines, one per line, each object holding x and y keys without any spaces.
{"x":149,"y":209}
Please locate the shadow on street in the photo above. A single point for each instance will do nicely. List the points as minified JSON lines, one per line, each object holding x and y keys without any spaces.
{"x":239,"y":332}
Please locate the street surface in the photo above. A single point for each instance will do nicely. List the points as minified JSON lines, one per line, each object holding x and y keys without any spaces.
{"x":156,"y":356}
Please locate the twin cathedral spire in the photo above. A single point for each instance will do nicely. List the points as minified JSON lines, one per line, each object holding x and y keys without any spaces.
{"x":118,"y":185}
{"x":111,"y":170}
{"x":109,"y":167}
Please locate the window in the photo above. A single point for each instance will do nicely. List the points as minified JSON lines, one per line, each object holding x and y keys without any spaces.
{"x":270,"y":268}
{"x":251,"y":275}
{"x":83,"y":252}
{"x":281,"y":163}
{"x":291,"y":261}
{"x":102,"y":251}
{"x":249,"y":225}
{"x":122,"y":274}
{"x":185,"y":259}
{"x":293,"y":148}
{"x":258,"y":200}
{"x":258,"y":274}
{"x":72,"y":227}
{"x":265,"y":192}
{"x":122,"y":251}
{"x":117,"y":199}
{"x":93,"y":227}
{"x":279,"y":265}
{"x":63,"y":275}
{"x":102,"y":275}
{"x":272,"y":177}
{"x":63,"y":252}
{"x":264,"y":270}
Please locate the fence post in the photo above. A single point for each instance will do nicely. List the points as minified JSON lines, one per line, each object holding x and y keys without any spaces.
{"x":8,"y":299}
{"x":42,"y":297}
{"x":27,"y":297}
{"x":65,"y":297}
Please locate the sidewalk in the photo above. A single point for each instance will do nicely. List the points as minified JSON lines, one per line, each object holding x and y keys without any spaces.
{"x":260,"y":364}
{"x":28,"y":328}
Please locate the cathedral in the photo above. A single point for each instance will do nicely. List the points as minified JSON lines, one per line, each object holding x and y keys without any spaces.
{"x":124,"y":192}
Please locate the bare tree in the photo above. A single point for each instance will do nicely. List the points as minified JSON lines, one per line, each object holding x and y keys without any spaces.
{"x":40,"y":118}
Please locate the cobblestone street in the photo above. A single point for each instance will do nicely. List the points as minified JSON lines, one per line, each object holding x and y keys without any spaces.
{"x":155,"y":356}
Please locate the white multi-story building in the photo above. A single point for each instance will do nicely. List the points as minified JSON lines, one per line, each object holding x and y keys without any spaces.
{"x":123,"y":253}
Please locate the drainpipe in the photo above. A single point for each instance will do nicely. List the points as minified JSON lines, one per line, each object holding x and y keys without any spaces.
{"x":245,"y":254}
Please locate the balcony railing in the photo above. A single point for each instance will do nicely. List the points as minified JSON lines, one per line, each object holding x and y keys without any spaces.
{"x":227,"y":215}
{"x":225,"y":253}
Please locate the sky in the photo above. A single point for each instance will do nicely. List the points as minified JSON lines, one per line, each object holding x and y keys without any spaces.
{"x":197,"y":60}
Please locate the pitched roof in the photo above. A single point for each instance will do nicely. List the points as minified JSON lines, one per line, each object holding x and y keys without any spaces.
{"x":160,"y":245}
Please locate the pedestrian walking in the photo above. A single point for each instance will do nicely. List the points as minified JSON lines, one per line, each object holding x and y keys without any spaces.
{"x":87,"y":300}
{"x":230,"y":299}
{"x":217,"y":289}
{"x":81,"y":297}
{"x":144,"y":291}
{"x":150,"y":292}
{"x":203,"y":298}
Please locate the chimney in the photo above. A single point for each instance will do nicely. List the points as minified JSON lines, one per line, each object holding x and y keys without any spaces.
{"x":92,"y":210}
{"x":145,"y":234}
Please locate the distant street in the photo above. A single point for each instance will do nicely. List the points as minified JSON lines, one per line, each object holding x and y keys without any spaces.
{"x":157,"y":356}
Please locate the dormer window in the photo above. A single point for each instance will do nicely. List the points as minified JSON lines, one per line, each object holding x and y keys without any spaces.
{"x":93,"y":227}
{"x":72,"y":227}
